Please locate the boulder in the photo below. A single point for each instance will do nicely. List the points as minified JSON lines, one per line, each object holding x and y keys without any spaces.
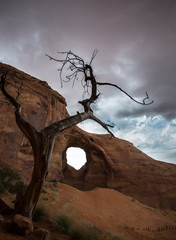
{"x":21,"y":225}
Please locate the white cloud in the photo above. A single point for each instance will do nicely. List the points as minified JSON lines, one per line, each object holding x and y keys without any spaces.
{"x":153,"y":135}
{"x":165,"y":131}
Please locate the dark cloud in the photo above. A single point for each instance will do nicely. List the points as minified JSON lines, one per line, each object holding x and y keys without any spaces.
{"x":165,"y":110}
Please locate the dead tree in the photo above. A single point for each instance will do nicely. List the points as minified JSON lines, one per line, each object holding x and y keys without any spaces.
{"x":42,"y":142}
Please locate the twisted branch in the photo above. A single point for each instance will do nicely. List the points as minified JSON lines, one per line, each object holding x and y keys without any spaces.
{"x":29,"y":131}
{"x":114,"y":85}
{"x":7,"y":95}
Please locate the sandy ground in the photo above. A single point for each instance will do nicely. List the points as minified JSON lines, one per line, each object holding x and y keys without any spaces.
{"x":108,"y":210}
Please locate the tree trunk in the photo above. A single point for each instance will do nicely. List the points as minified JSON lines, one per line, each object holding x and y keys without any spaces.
{"x":27,"y":202}
{"x":42,"y":144}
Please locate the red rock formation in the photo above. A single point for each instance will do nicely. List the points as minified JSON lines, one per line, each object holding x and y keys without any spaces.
{"x":111,"y":163}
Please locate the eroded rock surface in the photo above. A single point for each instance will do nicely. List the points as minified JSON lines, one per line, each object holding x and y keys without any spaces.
{"x":111,"y":163}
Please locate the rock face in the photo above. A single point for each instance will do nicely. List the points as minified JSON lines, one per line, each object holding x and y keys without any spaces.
{"x":111,"y":163}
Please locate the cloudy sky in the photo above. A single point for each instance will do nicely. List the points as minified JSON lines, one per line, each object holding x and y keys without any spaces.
{"x":136,"y":40}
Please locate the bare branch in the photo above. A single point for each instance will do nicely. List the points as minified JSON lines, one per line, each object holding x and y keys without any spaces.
{"x":114,"y":85}
{"x":104,"y":125}
{"x":7,"y":95}
{"x":75,"y":65}
{"x":28,"y":130}
{"x":55,"y":128}
{"x":93,"y":56}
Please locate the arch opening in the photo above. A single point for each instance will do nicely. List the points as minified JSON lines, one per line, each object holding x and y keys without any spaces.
{"x":76,"y":157}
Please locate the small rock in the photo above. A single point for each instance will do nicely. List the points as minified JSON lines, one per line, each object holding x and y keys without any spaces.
{"x":21,"y":225}
{"x":40,"y":234}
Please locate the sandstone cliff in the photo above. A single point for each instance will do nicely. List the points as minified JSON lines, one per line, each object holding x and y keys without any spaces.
{"x":111,"y":163}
